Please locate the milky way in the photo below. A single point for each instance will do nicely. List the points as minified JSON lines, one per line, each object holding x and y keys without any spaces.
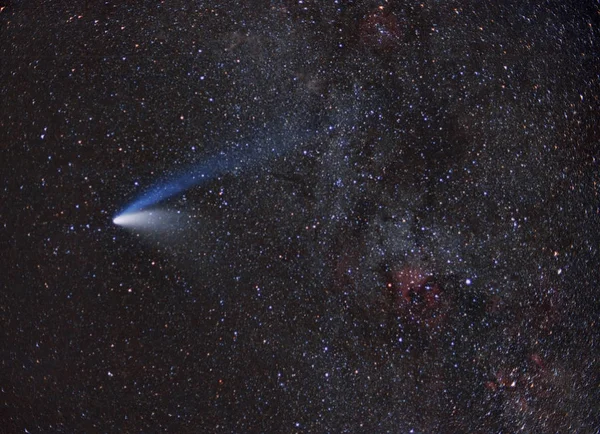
{"x":300,"y":217}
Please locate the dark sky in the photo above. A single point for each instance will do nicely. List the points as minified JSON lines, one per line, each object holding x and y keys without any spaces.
{"x":415,"y":248}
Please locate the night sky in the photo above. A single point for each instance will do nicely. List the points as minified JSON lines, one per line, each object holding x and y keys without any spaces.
{"x":412,"y":244}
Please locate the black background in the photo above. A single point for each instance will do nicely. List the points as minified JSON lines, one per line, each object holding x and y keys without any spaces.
{"x":453,"y":141}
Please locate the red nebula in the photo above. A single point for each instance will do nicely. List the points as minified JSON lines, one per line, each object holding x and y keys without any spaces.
{"x":418,"y":297}
{"x":380,"y":30}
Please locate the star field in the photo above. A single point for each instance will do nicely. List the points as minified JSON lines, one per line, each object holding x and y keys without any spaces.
{"x":411,"y":246}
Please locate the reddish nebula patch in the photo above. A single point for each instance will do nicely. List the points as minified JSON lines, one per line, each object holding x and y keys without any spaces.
{"x":523,"y":380}
{"x":417,"y":296}
{"x":380,"y":29}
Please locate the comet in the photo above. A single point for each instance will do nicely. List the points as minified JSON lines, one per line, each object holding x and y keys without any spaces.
{"x":241,"y":157}
{"x":148,"y":220}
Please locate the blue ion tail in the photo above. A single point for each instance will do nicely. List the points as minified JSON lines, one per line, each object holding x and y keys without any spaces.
{"x":159,"y":192}
{"x":241,"y":158}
